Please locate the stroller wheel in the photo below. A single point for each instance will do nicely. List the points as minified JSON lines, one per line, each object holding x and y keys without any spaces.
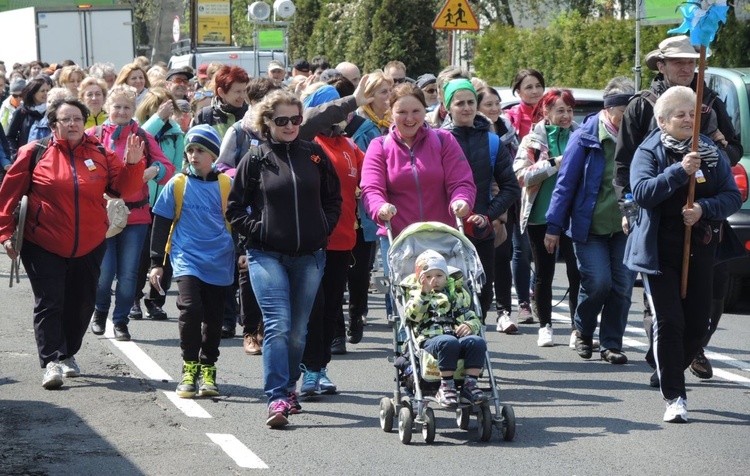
{"x":428,"y":427}
{"x":484,"y":423}
{"x":509,"y":423}
{"x":462,"y":418}
{"x":404,"y":425}
{"x":387,"y":413}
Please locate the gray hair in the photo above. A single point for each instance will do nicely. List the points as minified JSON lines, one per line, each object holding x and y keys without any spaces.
{"x":121,"y":91}
{"x":673,"y":98}
{"x":619,"y":85}
{"x":98,"y":70}
{"x":447,"y":75}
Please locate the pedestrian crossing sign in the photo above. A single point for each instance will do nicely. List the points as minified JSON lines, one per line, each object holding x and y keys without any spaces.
{"x":456,"y":15}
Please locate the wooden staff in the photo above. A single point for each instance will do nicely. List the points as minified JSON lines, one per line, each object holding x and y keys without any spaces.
{"x":691,"y":186}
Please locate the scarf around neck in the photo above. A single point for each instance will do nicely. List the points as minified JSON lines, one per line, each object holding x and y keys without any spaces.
{"x":709,"y":153}
{"x":381,"y":123}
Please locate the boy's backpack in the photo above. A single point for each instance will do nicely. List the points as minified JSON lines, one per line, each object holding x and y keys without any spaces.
{"x":180,"y":181}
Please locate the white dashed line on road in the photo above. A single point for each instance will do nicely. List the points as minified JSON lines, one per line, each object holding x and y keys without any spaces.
{"x":240,"y":453}
{"x":140,"y":359}
{"x":190,"y":408}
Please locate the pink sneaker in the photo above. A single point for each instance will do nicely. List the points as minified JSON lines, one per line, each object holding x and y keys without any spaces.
{"x":278,"y":411}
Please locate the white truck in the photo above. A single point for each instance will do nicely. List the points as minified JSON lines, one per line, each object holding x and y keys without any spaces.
{"x":255,"y":65}
{"x":84,"y":35}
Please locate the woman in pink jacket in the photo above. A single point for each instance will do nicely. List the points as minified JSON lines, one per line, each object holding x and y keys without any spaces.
{"x":414,"y":173}
{"x":124,"y":249}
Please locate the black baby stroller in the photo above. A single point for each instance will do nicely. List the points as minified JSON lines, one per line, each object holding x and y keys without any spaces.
{"x":417,"y":375}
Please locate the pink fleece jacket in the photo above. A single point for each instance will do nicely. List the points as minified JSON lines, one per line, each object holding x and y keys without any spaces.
{"x":421,"y":182}
{"x":520,"y":118}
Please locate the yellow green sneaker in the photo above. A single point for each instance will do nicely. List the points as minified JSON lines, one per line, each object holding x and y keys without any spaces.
{"x":187,"y":387}
{"x":208,"y":386}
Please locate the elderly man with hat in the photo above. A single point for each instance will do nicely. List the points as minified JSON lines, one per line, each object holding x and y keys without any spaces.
{"x":428,"y":84}
{"x":12,"y":102}
{"x":178,"y":81}
{"x":675,"y":60}
{"x":276,"y":71}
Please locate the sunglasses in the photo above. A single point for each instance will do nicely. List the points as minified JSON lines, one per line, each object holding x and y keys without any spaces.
{"x":180,"y":81}
{"x":203,"y":94}
{"x":431,"y":91}
{"x":399,"y":80}
{"x":281,"y":121}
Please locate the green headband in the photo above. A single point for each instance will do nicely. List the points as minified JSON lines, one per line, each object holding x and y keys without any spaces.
{"x":457,"y":84}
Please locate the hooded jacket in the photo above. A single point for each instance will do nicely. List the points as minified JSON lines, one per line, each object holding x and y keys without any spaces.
{"x":67,"y":213}
{"x":475,"y":143}
{"x":421,"y":181}
{"x":288,"y":200}
{"x":20,"y":125}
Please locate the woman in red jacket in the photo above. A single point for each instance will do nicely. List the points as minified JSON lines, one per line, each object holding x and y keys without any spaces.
{"x":124,"y":249}
{"x":64,"y":234}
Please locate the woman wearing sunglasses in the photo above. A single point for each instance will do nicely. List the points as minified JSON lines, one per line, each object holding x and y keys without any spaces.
{"x":286,"y":200}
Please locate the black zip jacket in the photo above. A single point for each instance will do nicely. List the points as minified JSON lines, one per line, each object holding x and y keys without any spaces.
{"x":475,"y":143}
{"x":19,"y":128}
{"x":639,"y":121}
{"x":287,"y":200}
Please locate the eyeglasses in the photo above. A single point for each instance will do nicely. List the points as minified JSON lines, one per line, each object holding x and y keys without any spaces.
{"x":281,"y":121}
{"x":66,"y":121}
{"x":399,"y":80}
{"x":179,"y":81}
{"x":430,"y":91}
{"x":203,"y":94}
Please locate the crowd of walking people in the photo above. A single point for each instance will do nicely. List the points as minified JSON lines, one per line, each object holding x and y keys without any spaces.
{"x":265,"y":201}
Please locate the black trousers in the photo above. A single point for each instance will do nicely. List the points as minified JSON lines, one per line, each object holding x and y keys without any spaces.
{"x":64,"y":297}
{"x":486,"y":253}
{"x":504,"y":273}
{"x":250,"y":313}
{"x":680,"y":325}
{"x":326,"y":318}
{"x":363,"y":256}
{"x":201,"y":308}
{"x":152,"y":298}
{"x":544,"y":264}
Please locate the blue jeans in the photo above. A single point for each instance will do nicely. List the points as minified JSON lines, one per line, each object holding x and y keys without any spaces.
{"x":606,"y":287}
{"x":285,"y":287}
{"x":385,"y":245}
{"x":121,"y":259}
{"x":448,"y":349}
{"x":521,"y":264}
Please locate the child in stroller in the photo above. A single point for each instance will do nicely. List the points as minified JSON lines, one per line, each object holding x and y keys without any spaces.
{"x":439,"y":314}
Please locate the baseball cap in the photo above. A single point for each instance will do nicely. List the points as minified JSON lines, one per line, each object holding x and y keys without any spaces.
{"x":302,"y":65}
{"x":274,"y":65}
{"x":202,"y":71}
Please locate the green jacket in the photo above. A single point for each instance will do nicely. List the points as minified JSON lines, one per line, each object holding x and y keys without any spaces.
{"x":425,"y":311}
{"x":171,"y":142}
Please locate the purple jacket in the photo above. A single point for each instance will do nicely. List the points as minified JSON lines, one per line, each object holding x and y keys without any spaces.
{"x":421,"y":182}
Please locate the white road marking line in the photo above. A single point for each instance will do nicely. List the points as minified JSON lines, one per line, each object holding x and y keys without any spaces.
{"x":188,"y":407}
{"x":713,"y":356}
{"x":140,"y":359}
{"x":240,"y":453}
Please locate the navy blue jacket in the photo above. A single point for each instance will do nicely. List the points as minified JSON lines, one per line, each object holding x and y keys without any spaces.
{"x":652,"y":180}
{"x":578,"y":181}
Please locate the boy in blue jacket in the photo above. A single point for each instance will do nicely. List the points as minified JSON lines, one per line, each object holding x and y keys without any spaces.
{"x":189,"y":225}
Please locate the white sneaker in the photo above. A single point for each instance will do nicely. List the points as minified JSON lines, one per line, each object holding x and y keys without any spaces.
{"x":70,"y":367}
{"x":545,"y":337}
{"x":506,"y":324}
{"x":53,"y":377}
{"x":676,"y":411}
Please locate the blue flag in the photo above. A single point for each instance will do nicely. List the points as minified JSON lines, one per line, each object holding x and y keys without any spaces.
{"x":702,"y":20}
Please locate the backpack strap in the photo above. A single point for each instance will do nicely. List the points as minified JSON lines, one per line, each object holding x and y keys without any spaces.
{"x":494,"y":148}
{"x":40,"y":147}
{"x":179,"y":184}
{"x":239,"y":137}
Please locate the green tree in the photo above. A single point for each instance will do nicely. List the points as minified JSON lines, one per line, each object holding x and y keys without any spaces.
{"x":402,"y":30}
{"x":361,"y":32}
{"x":308,"y":12}
{"x":332,"y":32}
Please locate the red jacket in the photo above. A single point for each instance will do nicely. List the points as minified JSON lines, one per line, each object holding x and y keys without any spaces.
{"x":139,"y":215}
{"x":347,"y":159}
{"x":67,"y":212}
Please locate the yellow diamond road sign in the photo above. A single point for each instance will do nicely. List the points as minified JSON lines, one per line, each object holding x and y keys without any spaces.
{"x":456,"y":15}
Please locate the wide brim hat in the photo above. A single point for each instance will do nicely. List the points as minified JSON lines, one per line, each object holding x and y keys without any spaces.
{"x":672,"y":47}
